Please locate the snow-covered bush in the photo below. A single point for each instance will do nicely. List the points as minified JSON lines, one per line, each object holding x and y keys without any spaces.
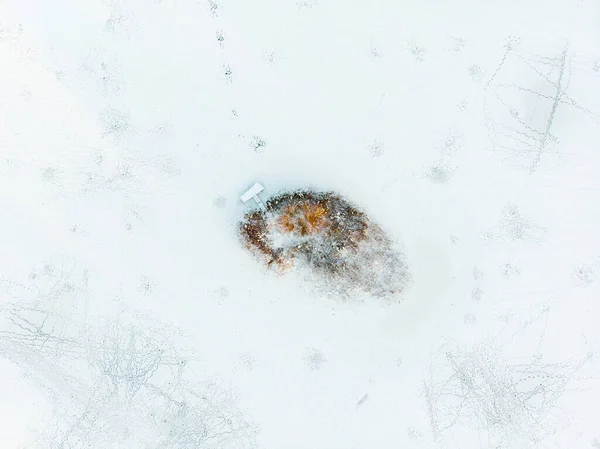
{"x":338,"y":246}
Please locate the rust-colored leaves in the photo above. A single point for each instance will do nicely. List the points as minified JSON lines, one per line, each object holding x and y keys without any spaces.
{"x":325,"y":233}
{"x":305,"y":218}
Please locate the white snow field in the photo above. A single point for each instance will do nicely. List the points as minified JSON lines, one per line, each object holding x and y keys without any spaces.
{"x":131,"y":316}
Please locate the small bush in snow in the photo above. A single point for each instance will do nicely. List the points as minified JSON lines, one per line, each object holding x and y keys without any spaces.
{"x":339,"y":247}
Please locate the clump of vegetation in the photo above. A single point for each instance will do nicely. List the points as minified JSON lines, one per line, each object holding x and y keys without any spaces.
{"x":340,"y":247}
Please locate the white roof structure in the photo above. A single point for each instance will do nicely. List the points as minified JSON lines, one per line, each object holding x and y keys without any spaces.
{"x":252,"y":193}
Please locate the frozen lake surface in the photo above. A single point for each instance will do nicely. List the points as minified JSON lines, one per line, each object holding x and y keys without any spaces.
{"x":132,"y":316}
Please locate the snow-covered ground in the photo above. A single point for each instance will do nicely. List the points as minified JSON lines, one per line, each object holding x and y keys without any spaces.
{"x":131,"y":316}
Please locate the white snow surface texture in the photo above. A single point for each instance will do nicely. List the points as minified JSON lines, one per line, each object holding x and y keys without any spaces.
{"x":132,"y":317}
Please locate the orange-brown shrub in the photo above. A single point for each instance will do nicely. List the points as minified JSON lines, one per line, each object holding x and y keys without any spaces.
{"x":330,"y":236}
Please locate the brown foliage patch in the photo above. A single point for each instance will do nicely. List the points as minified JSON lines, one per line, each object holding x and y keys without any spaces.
{"x":322,"y":230}
{"x":304,"y":218}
